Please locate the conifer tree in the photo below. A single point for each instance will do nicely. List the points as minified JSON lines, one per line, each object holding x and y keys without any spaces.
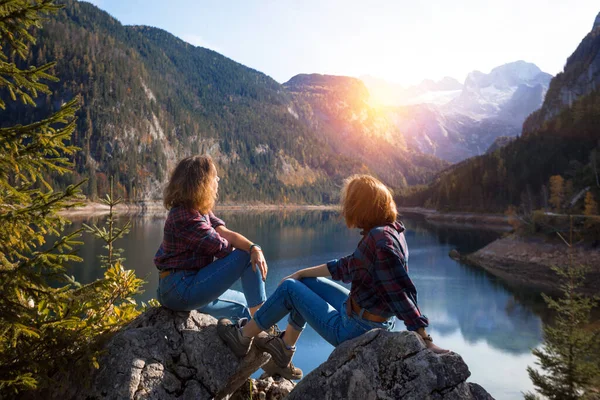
{"x":568,"y":357}
{"x":47,"y":319}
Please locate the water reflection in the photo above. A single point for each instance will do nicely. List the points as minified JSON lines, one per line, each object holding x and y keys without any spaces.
{"x":471,"y":312}
{"x":464,"y":298}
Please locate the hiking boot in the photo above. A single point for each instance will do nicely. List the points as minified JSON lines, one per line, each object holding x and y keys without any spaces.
{"x":275,"y":346}
{"x":289,"y":372}
{"x":274,"y":331}
{"x":231,"y":334}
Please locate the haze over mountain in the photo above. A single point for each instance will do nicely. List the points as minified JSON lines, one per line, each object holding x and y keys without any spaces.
{"x":426,"y":92}
{"x":338,"y":107}
{"x":561,"y":138}
{"x":150,"y":99}
{"x":454,"y":121}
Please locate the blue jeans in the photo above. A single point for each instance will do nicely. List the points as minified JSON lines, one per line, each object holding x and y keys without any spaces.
{"x":207,"y":289}
{"x":321,"y":303}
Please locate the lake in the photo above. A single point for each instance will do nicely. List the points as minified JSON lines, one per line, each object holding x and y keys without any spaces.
{"x":492,"y":325}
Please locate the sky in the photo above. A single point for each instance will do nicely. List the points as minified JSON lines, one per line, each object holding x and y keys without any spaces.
{"x":401,"y":41}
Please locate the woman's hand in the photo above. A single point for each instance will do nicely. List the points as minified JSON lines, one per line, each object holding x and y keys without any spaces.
{"x":257,"y":259}
{"x":296,"y":275}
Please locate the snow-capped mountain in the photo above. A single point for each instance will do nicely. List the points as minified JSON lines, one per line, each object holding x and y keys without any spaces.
{"x":454,"y":121}
{"x":489,"y":95}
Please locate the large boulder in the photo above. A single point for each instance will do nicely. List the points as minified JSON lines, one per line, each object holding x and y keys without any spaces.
{"x":166,"y":355}
{"x":178,"y":355}
{"x":388,"y":365}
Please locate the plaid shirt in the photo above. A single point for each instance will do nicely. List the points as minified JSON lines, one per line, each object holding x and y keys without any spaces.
{"x":190,"y":240}
{"x":378,"y":270}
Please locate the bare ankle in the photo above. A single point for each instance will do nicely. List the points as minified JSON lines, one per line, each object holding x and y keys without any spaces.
{"x":251,"y":329}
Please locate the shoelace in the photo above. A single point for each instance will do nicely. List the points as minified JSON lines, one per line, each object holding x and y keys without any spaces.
{"x":274,"y":331}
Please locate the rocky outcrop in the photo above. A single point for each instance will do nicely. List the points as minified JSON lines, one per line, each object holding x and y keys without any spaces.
{"x":165,"y":355}
{"x":178,"y":355}
{"x":388,"y":365}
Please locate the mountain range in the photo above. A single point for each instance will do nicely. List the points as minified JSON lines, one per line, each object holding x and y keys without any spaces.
{"x":149,"y":99}
{"x":456,"y":121}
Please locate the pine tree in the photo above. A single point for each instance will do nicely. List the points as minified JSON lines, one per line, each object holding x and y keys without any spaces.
{"x":568,"y":356}
{"x":48,"y":321}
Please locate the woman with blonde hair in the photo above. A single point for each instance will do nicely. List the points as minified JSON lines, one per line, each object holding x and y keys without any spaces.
{"x":377,"y":270}
{"x":199,"y":258}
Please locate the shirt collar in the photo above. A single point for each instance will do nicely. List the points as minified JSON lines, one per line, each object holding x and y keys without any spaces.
{"x":398,"y":226}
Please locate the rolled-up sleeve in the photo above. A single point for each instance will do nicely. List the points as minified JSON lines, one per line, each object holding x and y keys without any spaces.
{"x":336,"y":269}
{"x":215,"y":221}
{"x":341,"y":268}
{"x":395,"y":288}
{"x":203,"y":238}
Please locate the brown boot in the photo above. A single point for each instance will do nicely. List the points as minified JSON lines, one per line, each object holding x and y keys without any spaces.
{"x":275,"y":346}
{"x":290,"y":372}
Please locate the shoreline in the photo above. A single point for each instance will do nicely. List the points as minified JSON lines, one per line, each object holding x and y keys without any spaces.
{"x":92,"y":209}
{"x":497,"y":222}
{"x":528,"y":262}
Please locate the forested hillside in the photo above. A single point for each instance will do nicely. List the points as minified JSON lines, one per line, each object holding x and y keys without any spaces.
{"x":150,"y":99}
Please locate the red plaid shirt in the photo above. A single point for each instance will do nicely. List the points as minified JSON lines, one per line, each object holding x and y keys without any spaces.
{"x":378,"y":270}
{"x":190,"y":240}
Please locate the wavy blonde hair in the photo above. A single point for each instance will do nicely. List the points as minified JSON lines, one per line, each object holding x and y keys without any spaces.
{"x":367,"y":203}
{"x":191,"y":185}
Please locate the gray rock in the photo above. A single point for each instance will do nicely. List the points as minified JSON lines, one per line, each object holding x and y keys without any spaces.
{"x":454,"y":254}
{"x":388,"y":365}
{"x":166,"y":355}
{"x":170,"y":355}
{"x":264,"y":388}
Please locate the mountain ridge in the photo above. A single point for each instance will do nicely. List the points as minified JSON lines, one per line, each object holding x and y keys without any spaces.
{"x":150,"y":99}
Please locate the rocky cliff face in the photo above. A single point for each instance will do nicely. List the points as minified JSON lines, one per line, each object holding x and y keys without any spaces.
{"x":169,"y":355}
{"x":580,"y":77}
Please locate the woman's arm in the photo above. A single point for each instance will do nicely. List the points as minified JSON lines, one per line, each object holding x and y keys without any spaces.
{"x":239,"y":241}
{"x":312,"y":272}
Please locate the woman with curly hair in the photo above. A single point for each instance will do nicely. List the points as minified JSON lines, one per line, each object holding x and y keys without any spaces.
{"x":199,"y":258}
{"x":378,"y":271}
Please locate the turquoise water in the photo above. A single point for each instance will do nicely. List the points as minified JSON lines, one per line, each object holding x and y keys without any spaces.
{"x":491,"y":325}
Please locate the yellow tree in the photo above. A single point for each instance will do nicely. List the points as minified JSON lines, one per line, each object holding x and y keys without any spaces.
{"x":557,"y":192}
{"x":591,"y":207}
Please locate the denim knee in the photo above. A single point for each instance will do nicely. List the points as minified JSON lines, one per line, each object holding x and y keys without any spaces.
{"x":288,"y":284}
{"x":243,"y":255}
